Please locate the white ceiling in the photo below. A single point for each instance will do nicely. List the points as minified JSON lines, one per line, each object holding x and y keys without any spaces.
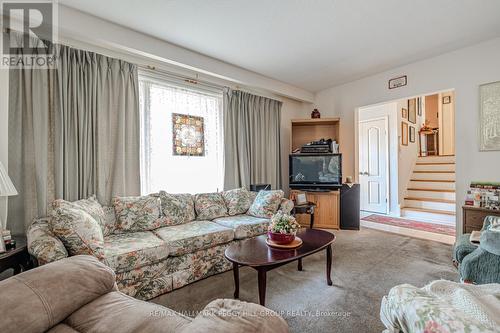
{"x":311,"y":44}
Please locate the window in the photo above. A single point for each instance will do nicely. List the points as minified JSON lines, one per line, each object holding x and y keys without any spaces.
{"x":181,"y":170}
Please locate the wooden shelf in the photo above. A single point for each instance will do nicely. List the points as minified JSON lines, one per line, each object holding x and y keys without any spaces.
{"x":306,"y":130}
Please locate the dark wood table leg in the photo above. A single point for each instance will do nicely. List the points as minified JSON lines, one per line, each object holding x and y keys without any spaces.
{"x":328,"y":264}
{"x":299,"y":266}
{"x":312,"y":218}
{"x":236,"y":274}
{"x":262,"y":286}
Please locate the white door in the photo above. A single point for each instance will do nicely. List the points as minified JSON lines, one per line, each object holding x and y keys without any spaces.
{"x":373,"y":156}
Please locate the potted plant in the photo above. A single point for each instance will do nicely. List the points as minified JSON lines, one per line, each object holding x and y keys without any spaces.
{"x":283,"y":228}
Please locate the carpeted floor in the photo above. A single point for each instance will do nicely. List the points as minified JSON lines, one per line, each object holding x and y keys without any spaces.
{"x":366,"y":264}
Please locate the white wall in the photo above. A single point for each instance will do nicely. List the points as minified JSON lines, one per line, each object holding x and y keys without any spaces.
{"x":4,"y":104}
{"x":407,"y":154}
{"x":464,"y":70}
{"x":388,"y":110}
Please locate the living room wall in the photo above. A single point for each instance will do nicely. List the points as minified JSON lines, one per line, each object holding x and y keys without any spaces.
{"x":463,"y":70}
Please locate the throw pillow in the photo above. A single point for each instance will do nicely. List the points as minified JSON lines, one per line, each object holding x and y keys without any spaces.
{"x":79,"y":231}
{"x":177,"y":208}
{"x":237,"y":201}
{"x":91,"y":206}
{"x":266,"y":203}
{"x":209,"y":206}
{"x":137,"y":213}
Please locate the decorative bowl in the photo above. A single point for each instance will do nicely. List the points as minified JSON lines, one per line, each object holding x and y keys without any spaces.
{"x":280,"y":238}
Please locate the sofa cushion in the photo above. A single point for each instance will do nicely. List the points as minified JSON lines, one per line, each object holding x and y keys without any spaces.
{"x":116,"y":312}
{"x":209,"y":206}
{"x":127,"y":251}
{"x":36,"y":300}
{"x":79,"y":232}
{"x":91,"y":206}
{"x":193,"y":236}
{"x":137,"y":213}
{"x":177,"y":208}
{"x":229,"y":315}
{"x":237,"y":201}
{"x":266,"y":203}
{"x":244,"y":226}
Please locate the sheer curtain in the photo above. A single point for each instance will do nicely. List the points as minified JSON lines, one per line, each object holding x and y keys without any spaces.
{"x":160,"y":168}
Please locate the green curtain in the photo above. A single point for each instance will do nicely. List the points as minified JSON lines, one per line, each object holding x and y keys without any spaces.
{"x":73,"y":132}
{"x":251,"y":140}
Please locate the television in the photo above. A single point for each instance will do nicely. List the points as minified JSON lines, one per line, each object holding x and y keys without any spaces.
{"x":315,"y":171}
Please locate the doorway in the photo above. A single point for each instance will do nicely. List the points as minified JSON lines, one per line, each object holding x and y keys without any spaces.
{"x":374,"y":164}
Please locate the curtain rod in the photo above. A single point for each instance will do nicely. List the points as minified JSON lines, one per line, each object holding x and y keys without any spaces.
{"x":185,"y":78}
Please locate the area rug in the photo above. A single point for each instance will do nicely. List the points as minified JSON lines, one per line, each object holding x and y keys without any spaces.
{"x":410,"y":224}
{"x":366,"y":265}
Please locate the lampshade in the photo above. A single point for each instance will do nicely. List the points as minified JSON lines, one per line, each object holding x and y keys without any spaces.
{"x":7,"y":189}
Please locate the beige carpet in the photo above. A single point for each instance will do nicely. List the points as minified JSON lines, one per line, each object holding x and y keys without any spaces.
{"x":366,"y":264}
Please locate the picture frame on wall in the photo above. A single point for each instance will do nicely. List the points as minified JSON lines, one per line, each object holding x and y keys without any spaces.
{"x":404,"y":133}
{"x":412,"y":110}
{"x":412,"y":134}
{"x":419,"y":106}
{"x":489,"y":117}
{"x":404,"y":113}
{"x":446,"y":99}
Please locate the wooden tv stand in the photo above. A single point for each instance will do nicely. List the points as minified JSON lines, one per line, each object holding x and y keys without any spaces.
{"x":327,"y":211}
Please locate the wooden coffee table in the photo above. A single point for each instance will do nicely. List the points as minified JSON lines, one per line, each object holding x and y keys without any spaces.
{"x":254,"y":252}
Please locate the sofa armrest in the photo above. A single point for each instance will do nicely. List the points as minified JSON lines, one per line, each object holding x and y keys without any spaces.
{"x":43,"y":244}
{"x":229,"y":315}
{"x":489,"y":220}
{"x":480,"y":267}
{"x":286,"y":205}
{"x":38,"y":299}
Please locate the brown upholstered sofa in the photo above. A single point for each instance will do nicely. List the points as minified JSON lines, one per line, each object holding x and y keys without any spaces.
{"x":79,"y":294}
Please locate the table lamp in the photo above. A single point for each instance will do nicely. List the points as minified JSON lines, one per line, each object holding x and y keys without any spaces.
{"x":7,"y":189}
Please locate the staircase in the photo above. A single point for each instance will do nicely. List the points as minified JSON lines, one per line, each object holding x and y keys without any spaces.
{"x":430,"y":195}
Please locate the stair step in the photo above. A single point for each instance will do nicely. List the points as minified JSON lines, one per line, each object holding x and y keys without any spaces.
{"x":433,"y":171}
{"x":430,"y":203}
{"x":433,"y":211}
{"x":436,"y":159}
{"x":430,"y":215}
{"x":431,"y":190}
{"x":435,"y":167}
{"x":447,"y":185}
{"x":433,"y":180}
{"x":430,"y":199}
{"x":435,"y":163}
{"x":447,"y":194}
{"x":435,"y":175}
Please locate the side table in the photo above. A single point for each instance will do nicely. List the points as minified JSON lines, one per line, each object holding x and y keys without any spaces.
{"x":19,"y":259}
{"x":307,"y":208}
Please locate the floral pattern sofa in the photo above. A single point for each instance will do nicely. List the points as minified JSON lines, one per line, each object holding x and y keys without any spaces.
{"x":159,"y":242}
{"x":442,"y":307}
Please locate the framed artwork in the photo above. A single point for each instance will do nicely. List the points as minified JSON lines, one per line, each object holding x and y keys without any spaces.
{"x":412,"y":134}
{"x":188,"y":135}
{"x":489,"y":118}
{"x":412,"y":110}
{"x":404,"y":113}
{"x":446,"y":99}
{"x":397,"y":82}
{"x":419,"y":106}
{"x":404,"y":133}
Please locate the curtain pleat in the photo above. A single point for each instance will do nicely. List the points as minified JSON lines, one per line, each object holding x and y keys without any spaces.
{"x":73,"y":132}
{"x":251,"y":140}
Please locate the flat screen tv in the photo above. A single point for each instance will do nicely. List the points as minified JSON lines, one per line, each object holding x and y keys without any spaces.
{"x":315,"y":171}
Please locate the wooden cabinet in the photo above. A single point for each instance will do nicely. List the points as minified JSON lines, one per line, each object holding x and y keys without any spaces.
{"x":327,"y":211}
{"x":473,"y":217}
